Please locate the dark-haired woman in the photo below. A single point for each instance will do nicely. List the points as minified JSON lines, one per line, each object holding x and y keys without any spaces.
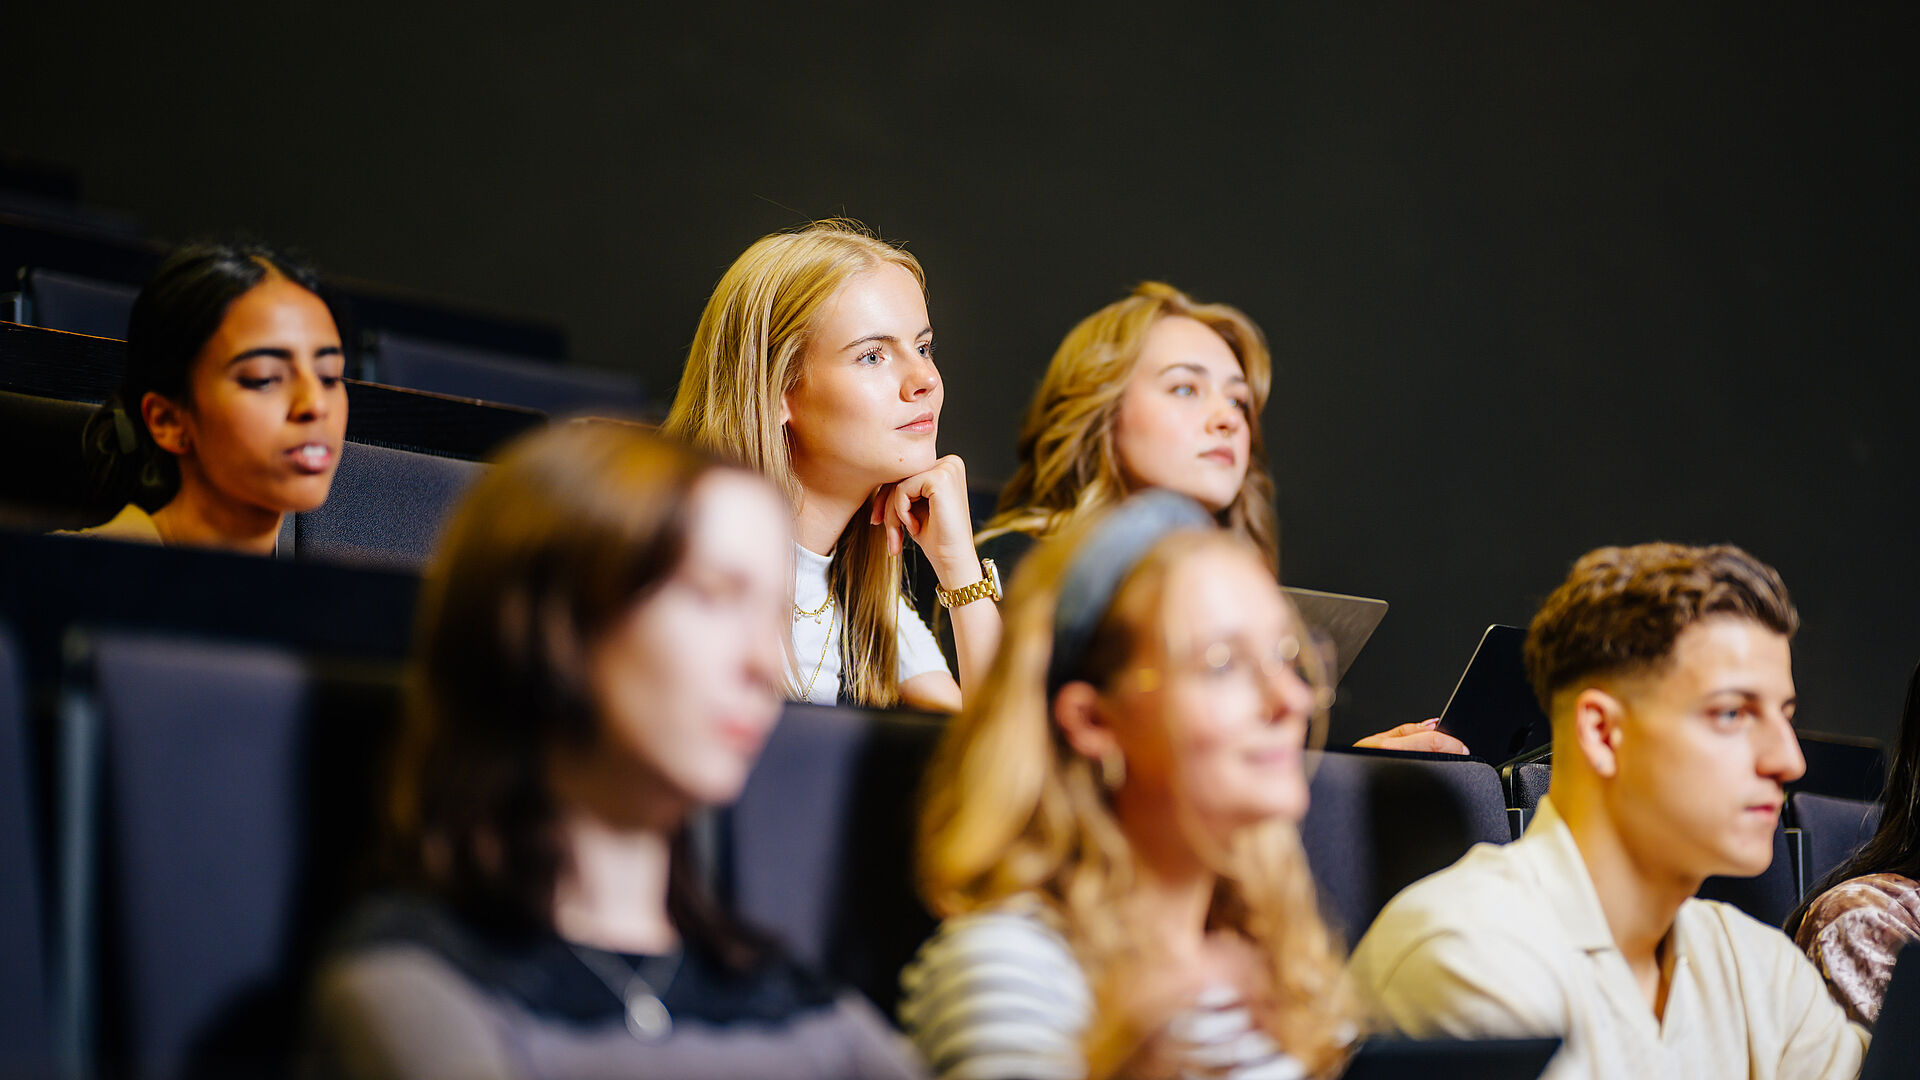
{"x":233,"y":410}
{"x":602,"y":649}
{"x":1869,"y":906}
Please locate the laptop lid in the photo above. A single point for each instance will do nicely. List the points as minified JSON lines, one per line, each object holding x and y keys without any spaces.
{"x":1492,"y":709}
{"x":1896,"y":1035}
{"x":1346,"y":621}
{"x":1451,"y":1059}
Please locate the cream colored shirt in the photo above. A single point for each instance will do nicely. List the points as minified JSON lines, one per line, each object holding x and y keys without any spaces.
{"x":1511,"y":941}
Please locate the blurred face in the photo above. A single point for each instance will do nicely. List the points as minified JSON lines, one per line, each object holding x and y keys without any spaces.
{"x":867,"y":407}
{"x":688,"y":681}
{"x":1213,"y":724}
{"x":268,"y":408}
{"x":1706,"y":744}
{"x":1184,"y":420}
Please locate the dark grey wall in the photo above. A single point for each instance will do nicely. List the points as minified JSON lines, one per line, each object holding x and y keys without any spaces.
{"x":1539,"y":276}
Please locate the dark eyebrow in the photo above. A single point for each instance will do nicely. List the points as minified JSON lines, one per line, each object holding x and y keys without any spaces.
{"x":283,"y":355}
{"x":887,"y":339}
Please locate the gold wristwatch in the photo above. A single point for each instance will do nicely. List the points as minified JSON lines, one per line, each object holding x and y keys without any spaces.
{"x":987,"y":587}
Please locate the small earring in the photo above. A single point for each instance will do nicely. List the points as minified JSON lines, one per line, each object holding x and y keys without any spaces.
{"x":1113,"y":769}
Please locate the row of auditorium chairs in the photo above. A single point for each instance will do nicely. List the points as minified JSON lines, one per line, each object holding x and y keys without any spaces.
{"x":87,"y":284}
{"x":29,"y":243}
{"x":202,"y":806}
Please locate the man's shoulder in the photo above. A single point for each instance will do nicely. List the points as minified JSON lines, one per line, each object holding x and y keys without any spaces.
{"x":1487,"y":892}
{"x":1483,"y":911}
{"x":1714,"y":926}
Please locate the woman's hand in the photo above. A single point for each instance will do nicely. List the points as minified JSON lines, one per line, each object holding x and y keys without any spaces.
{"x":931,"y":507}
{"x":1424,"y":735}
{"x":1152,"y":1034}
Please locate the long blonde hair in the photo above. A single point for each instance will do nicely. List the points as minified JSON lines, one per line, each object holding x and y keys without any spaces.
{"x":1068,"y":464}
{"x":1011,"y":808}
{"x":746,"y":355}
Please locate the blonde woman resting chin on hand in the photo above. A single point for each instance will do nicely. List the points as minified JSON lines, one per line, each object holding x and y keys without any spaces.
{"x":1155,"y":390}
{"x":1110,"y":827}
{"x":813,"y":363}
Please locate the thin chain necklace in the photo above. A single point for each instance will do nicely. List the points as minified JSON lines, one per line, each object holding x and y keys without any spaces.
{"x":802,"y":613}
{"x":833,"y":615}
{"x":647,"y":1017}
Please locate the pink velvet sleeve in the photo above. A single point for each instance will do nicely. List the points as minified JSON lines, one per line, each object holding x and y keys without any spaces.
{"x":1853,"y":932}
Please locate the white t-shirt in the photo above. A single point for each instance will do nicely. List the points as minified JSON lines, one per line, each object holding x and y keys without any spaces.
{"x":816,"y":641}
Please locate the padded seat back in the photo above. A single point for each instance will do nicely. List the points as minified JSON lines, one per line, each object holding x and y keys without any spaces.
{"x":235,"y":801}
{"x":1378,"y":822}
{"x":819,"y":847}
{"x":1843,"y":766}
{"x":25,"y":1048}
{"x":56,"y":490}
{"x":1831,"y":830}
{"x":79,"y":305}
{"x":1529,"y":783}
{"x":385,"y":508}
{"x":457,"y":371}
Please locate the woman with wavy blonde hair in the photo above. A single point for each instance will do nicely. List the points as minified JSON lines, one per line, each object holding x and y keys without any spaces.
{"x":813,"y":363}
{"x":1155,"y":390}
{"x":1110,"y":826}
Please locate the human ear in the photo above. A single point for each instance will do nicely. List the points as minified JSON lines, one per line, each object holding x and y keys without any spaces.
{"x":1076,"y":708}
{"x":167,"y":422}
{"x":1596,"y":730}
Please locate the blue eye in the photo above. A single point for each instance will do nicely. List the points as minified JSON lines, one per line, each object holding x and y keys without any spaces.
{"x":872,"y":356}
{"x":1183,"y":390}
{"x":926,"y":349}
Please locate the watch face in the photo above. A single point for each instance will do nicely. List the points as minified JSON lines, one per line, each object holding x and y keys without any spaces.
{"x":993,"y":576}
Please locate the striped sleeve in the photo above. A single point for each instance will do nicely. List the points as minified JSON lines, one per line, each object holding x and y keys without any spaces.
{"x":997,"y":995}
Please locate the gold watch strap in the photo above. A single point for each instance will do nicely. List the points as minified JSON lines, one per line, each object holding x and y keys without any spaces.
{"x":987,"y":586}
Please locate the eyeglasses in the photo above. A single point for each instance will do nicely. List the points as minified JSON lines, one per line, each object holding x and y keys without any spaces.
{"x":1251,"y":664}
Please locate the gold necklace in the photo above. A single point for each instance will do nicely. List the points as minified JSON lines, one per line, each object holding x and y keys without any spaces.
{"x":802,"y":613}
{"x":806,"y":694}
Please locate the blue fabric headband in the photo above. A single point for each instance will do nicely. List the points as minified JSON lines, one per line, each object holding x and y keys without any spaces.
{"x":1110,"y":552}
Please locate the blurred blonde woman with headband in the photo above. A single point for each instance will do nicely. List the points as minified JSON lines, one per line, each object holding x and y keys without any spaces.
{"x":813,"y":363}
{"x":1155,"y":390}
{"x":1110,"y":826}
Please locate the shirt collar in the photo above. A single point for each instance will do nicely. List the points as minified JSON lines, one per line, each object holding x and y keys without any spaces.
{"x":1560,"y":874}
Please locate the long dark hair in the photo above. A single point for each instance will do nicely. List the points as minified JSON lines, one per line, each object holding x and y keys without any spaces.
{"x":572,"y":528}
{"x":1895,"y":847}
{"x":179,"y":309}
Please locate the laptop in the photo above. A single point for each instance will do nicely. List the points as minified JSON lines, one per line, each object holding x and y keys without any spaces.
{"x":1896,"y":1035}
{"x":1346,"y":621}
{"x":1492,"y":709}
{"x":1451,"y":1059}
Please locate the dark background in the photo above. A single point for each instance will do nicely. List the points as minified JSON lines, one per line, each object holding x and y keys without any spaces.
{"x":1538,"y":276}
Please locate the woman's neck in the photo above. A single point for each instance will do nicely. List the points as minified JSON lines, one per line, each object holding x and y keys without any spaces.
{"x":198,"y":516}
{"x":612,"y":892}
{"x":821,"y":518}
{"x":1173,"y":889}
{"x":615,"y":829}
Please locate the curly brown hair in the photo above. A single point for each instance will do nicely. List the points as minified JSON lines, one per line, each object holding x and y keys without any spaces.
{"x":1621,"y":609}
